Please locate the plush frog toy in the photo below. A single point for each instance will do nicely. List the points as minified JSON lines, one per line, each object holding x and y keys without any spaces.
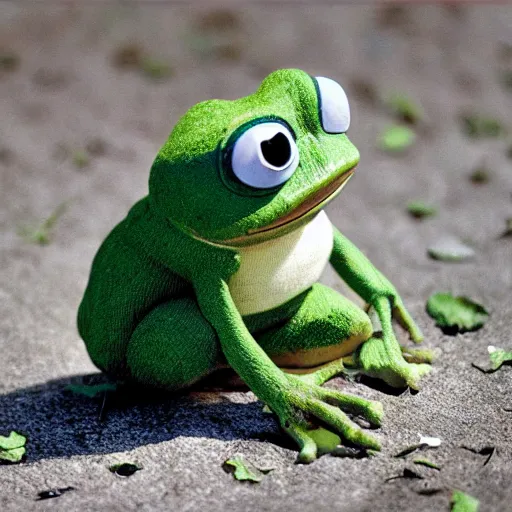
{"x":219,"y":264}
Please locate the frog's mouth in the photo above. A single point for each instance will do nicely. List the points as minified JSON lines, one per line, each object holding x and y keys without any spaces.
{"x":297,"y":216}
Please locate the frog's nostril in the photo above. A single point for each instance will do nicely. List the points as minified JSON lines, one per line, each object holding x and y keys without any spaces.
{"x":277,"y":150}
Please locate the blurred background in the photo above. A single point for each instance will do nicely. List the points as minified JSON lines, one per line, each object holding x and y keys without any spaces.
{"x":90,"y":91}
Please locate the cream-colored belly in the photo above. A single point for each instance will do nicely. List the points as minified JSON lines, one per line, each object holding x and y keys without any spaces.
{"x":275,"y":271}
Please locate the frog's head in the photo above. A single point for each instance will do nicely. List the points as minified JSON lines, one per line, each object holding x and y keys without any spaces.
{"x":238,"y":172}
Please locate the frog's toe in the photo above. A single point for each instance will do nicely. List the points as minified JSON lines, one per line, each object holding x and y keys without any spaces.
{"x":414,"y":355}
{"x":392,"y":368}
{"x":307,"y":446}
{"x":372,"y":411}
{"x":413,"y":373}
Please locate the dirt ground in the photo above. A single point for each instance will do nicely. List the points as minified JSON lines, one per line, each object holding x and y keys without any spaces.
{"x":87,"y":97}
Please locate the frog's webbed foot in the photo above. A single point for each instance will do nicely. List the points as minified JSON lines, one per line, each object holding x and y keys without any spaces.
{"x":305,"y":406}
{"x":376,"y":360}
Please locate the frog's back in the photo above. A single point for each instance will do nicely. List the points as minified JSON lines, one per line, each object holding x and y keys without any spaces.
{"x":124,"y":285}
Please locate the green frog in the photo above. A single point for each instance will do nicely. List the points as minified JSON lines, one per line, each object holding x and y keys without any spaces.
{"x":218,"y":265}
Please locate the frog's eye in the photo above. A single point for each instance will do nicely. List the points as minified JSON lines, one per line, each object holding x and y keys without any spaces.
{"x":334,"y":109}
{"x":265,"y":155}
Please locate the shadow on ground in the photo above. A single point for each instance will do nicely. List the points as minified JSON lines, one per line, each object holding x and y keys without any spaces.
{"x":60,"y":423}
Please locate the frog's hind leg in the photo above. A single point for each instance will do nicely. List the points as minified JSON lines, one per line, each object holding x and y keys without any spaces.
{"x":324,"y":330}
{"x":173,"y":346}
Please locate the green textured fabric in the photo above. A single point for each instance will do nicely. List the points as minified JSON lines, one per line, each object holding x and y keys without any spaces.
{"x":188,"y":181}
{"x":324,"y":318}
{"x":158,"y":307}
{"x":174,"y":345}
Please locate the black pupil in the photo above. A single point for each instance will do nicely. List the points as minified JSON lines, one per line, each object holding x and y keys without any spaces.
{"x":277,"y":150}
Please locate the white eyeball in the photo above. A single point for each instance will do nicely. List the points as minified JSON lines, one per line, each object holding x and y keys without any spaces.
{"x":334,"y":108}
{"x":265,"y":155}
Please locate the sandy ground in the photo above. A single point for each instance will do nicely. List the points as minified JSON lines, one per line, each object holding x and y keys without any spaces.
{"x":66,"y":95}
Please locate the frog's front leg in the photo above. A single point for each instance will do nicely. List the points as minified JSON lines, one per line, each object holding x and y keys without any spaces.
{"x":378,"y":357}
{"x":299,"y":405}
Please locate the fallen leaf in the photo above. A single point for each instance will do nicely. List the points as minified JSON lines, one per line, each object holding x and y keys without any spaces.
{"x":90,"y":390}
{"x":407,"y":451}
{"x":427,"y":463}
{"x":128,"y":55}
{"x":497,"y":357}
{"x":155,"y":69}
{"x":404,"y":108}
{"x":478,"y":126}
{"x":420,"y":210}
{"x":9,"y":61}
{"x":14,"y":455}
{"x":244,"y":470}
{"x":42,"y":234}
{"x":12,"y":447}
{"x":396,"y":138}
{"x":480,"y":175}
{"x":450,"y":249}
{"x":53,"y":493}
{"x":13,"y":440}
{"x":125,"y":469}
{"x":462,"y":502}
{"x":80,"y":158}
{"x":456,"y":314}
{"x":325,"y":440}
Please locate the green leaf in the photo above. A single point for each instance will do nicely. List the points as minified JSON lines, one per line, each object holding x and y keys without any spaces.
{"x":244,"y":470}
{"x":462,"y":502}
{"x":325,"y":441}
{"x":456,"y":314}
{"x":498,"y":357}
{"x":450,"y":249}
{"x":42,"y":234}
{"x":91,"y":391}
{"x":125,"y":469}
{"x":478,"y":126}
{"x":14,"y":455}
{"x":396,"y":138}
{"x":480,"y":175}
{"x":404,"y":108}
{"x":420,"y":210}
{"x":155,"y":69}
{"x":426,"y":462}
{"x":80,"y":158}
{"x":12,"y":448}
{"x":9,"y":61}
{"x":14,"y":440}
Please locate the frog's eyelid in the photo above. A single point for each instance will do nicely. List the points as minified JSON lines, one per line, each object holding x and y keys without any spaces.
{"x":333,"y":105}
